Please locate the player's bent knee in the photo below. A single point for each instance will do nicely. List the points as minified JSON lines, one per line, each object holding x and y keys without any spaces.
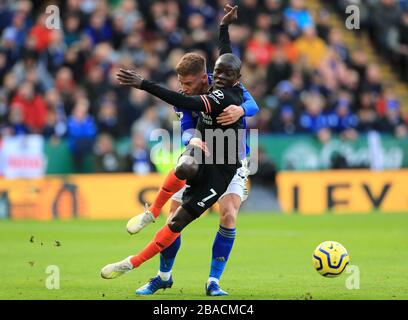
{"x":175,"y":225}
{"x":187,"y":168}
{"x":229,"y":216}
{"x":179,"y":220}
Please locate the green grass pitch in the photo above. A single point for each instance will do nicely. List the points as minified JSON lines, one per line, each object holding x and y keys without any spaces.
{"x":271,"y":258}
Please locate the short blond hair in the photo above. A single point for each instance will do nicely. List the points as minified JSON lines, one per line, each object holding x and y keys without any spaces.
{"x":191,"y":64}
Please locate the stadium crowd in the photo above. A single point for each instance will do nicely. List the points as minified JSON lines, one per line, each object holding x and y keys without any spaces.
{"x":386,"y":22}
{"x":61,"y":82}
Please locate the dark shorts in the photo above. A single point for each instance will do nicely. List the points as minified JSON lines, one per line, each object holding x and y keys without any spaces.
{"x":207,"y":187}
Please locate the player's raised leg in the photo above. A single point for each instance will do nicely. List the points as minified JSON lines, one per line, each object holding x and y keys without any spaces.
{"x":170,"y":186}
{"x":162,"y":239}
{"x":117,"y":269}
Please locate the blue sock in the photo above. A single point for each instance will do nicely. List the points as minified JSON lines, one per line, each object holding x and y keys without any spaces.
{"x":223,"y":242}
{"x":168,"y":255}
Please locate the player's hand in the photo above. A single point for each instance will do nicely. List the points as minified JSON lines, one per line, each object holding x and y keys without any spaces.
{"x":129,"y":78}
{"x":202,"y":145}
{"x":230,"y":115}
{"x":230,"y":14}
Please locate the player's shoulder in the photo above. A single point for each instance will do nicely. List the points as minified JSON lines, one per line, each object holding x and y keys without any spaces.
{"x":226,"y":92}
{"x":232,"y":94}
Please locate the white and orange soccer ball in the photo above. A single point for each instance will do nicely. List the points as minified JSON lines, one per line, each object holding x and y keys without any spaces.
{"x":330,"y":259}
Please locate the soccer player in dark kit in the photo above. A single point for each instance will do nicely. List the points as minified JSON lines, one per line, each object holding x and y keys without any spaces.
{"x":208,"y":180}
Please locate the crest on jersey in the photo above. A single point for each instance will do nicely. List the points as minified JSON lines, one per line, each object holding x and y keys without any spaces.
{"x":219,"y":94}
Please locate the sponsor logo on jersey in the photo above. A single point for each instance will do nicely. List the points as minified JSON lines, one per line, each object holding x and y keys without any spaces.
{"x":219,"y":94}
{"x":214,"y":98}
{"x":207,"y":119}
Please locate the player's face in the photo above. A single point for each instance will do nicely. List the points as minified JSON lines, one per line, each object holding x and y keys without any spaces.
{"x":225,"y":75}
{"x":193,"y":85}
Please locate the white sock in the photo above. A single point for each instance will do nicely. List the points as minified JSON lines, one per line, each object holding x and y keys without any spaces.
{"x":164,"y":275}
{"x":210,"y":279}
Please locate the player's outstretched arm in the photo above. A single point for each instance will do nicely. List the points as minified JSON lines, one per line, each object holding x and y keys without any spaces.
{"x":198,"y":103}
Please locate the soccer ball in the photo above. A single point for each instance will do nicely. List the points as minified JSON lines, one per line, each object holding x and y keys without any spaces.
{"x":330,"y":259}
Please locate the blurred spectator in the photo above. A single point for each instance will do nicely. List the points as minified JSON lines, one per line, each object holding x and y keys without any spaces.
{"x":107,"y":119}
{"x":278,"y":70}
{"x":385,"y":17}
{"x":198,"y":38}
{"x":3,"y":65}
{"x":200,"y":7}
{"x":72,"y":32}
{"x":147,"y":123}
{"x":81,"y":133}
{"x":312,"y":119}
{"x":106,"y":159}
{"x":335,"y":41}
{"x":95,"y":86}
{"x":128,"y":13}
{"x":342,"y":120}
{"x":16,"y":33}
{"x":56,"y":120}
{"x":392,"y":121}
{"x":311,"y":48}
{"x":262,"y":121}
{"x":49,"y":130}
{"x":99,"y":29}
{"x":273,"y":8}
{"x":297,"y":12}
{"x":251,"y":71}
{"x":286,"y":93}
{"x":40,"y":35}
{"x":15,"y":124}
{"x":32,"y":106}
{"x":3,"y":107}
{"x":403,"y":42}
{"x":133,"y":46}
{"x":261,"y":47}
{"x":74,"y":60}
{"x":286,"y":121}
{"x":367,"y":115}
{"x":139,"y":161}
{"x":65,"y":84}
{"x":138,"y":101}
{"x":55,"y":52}
{"x":248,"y":11}
{"x":323,"y":24}
{"x":359,"y":63}
{"x":73,"y":8}
{"x":372,"y":81}
{"x":5,"y":16}
{"x":33,"y":68}
{"x":284,"y":43}
{"x":399,"y":43}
